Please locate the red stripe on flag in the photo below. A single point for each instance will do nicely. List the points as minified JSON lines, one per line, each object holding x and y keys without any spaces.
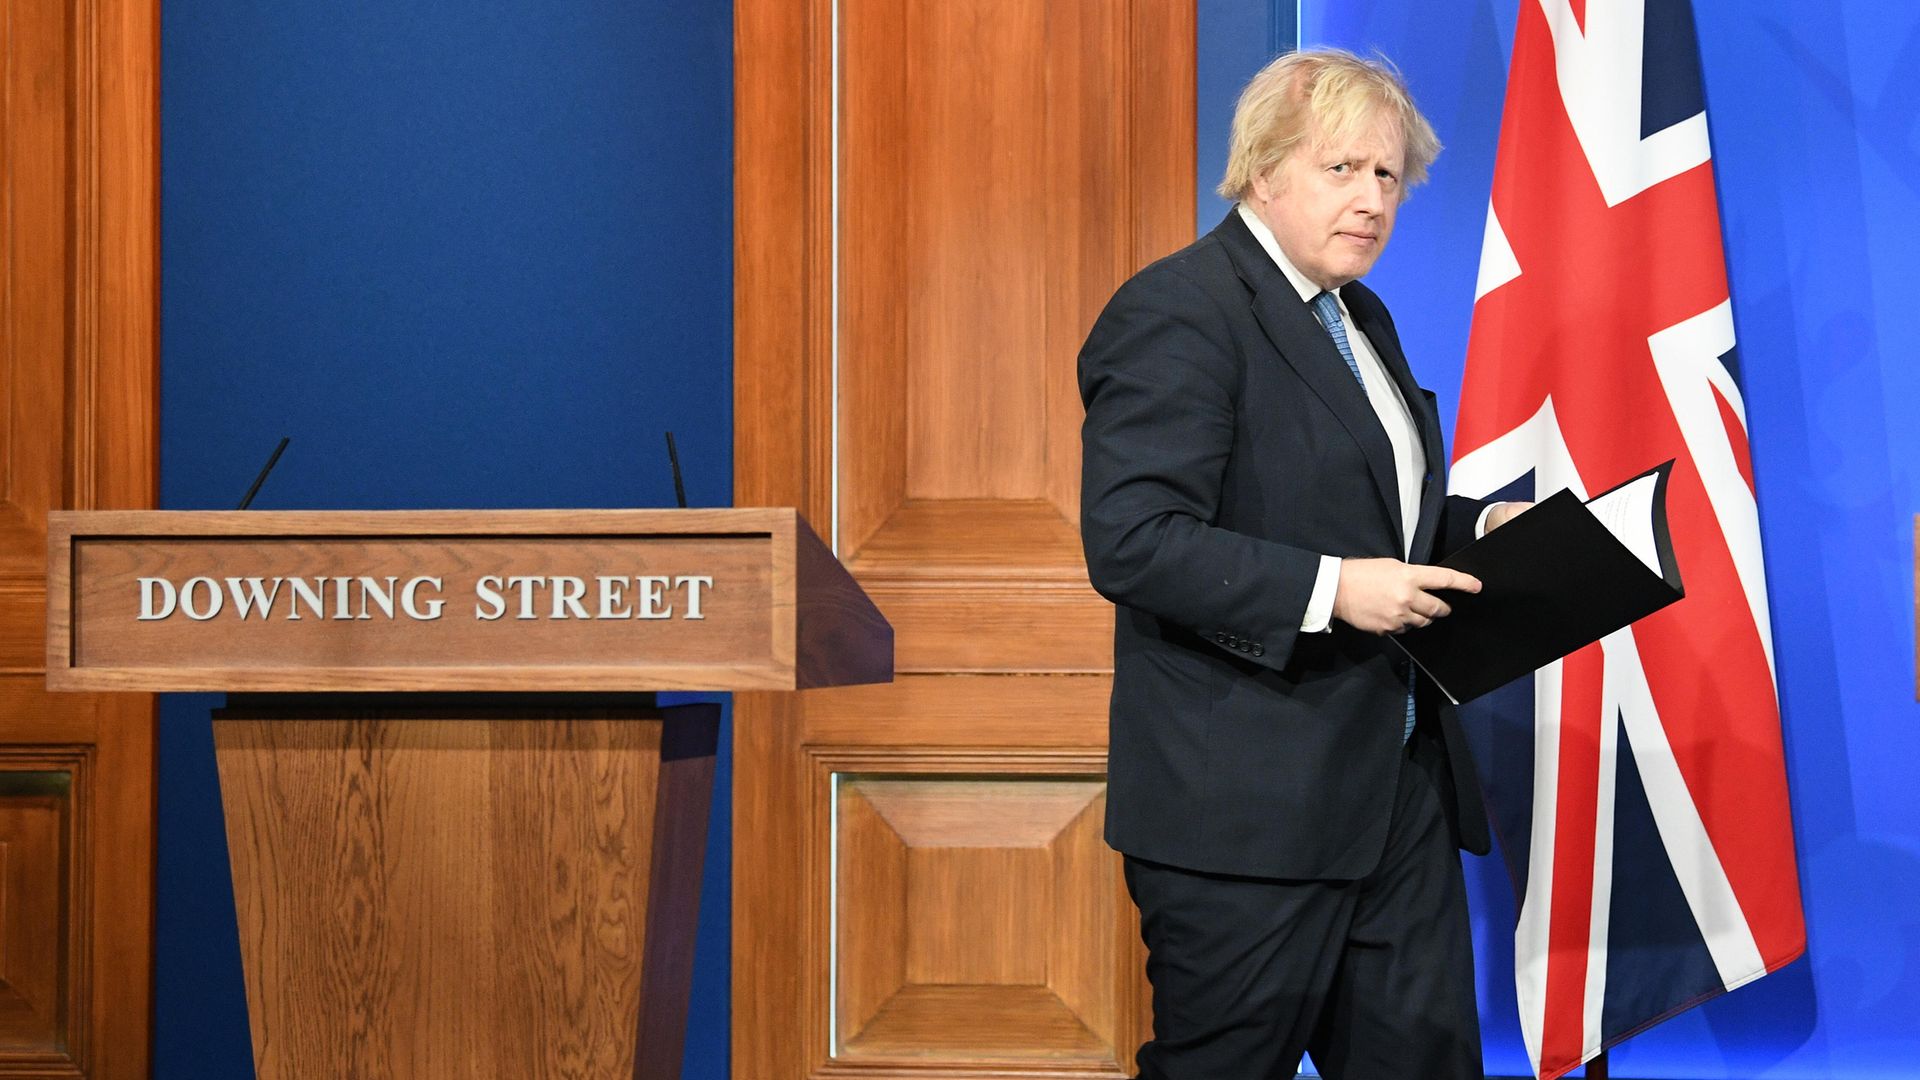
{"x":1569,"y":927}
{"x":1736,"y":437}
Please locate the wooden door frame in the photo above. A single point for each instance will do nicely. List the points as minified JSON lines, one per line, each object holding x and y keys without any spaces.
{"x":114,"y":457}
{"x":113,"y":463}
{"x":782,"y":201}
{"x":109,"y":460}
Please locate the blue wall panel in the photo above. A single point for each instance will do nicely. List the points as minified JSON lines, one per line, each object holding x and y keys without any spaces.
{"x":1813,"y":116}
{"x":1234,"y":39}
{"x":466,"y":255}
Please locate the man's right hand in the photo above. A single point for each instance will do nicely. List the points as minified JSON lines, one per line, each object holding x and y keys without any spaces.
{"x":1387,"y":596}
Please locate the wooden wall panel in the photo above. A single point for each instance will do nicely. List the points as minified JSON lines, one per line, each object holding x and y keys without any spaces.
{"x":977,"y":943}
{"x":36,"y":918}
{"x":973,"y":420}
{"x":78,"y":191}
{"x":933,"y":200}
{"x":76,"y":887}
{"x":976,"y":948}
{"x":933,"y":838}
{"x":38,"y":267}
{"x":977,"y":249}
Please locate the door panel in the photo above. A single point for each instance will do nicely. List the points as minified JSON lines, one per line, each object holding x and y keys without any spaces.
{"x":919,"y":878}
{"x":975,"y":917}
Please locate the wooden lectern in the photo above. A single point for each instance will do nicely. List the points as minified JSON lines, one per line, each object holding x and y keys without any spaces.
{"x":465,"y":840}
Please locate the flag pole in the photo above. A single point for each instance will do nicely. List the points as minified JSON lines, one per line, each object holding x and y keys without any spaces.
{"x":1597,"y":1068}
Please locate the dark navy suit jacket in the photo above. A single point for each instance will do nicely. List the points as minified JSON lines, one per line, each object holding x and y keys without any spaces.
{"x":1227,"y":446}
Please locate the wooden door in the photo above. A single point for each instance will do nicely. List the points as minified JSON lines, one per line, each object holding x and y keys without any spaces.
{"x":933,"y":200}
{"x":77,"y":322}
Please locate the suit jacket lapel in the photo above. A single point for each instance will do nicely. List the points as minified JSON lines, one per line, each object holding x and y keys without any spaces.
{"x":1304,"y":344}
{"x":1369,"y":317}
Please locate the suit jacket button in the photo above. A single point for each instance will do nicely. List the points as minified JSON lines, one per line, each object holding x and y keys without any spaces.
{"x":1259,"y":650}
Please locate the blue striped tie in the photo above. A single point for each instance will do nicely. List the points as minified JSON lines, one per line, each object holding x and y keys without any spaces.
{"x":1328,"y":309}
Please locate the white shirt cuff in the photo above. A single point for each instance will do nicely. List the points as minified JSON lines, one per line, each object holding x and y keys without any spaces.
{"x":1319,"y":618}
{"x":1480,"y":523}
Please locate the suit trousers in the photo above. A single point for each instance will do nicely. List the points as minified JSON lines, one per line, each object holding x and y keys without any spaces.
{"x":1373,"y":977}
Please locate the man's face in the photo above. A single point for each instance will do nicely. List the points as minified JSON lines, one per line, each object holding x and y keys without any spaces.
{"x":1331,"y":206}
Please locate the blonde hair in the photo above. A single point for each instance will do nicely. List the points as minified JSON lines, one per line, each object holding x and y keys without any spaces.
{"x":1328,"y":93}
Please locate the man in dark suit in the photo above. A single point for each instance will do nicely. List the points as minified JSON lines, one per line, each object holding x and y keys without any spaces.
{"x":1262,"y":495}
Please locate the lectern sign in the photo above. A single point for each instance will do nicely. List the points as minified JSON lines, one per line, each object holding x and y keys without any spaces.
{"x":421,"y":598}
{"x":513,"y":600}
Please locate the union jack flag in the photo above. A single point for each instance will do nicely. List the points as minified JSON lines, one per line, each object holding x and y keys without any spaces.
{"x":1638,"y":786}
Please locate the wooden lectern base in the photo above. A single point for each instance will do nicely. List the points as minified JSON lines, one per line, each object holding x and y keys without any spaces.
{"x":487,"y":886}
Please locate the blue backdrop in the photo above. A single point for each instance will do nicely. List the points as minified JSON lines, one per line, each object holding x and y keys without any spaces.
{"x":467,"y":254}
{"x":1814,"y":115}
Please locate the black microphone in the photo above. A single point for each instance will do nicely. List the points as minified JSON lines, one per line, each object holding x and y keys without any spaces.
{"x":673,"y":458}
{"x":264,"y":470}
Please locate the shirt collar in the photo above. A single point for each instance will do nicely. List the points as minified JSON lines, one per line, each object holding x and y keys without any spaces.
{"x":1300,"y":282}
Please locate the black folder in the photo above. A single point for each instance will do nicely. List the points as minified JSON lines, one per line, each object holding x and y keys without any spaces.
{"x":1552,"y":580}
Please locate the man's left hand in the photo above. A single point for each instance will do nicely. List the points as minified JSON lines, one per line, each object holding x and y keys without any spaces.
{"x":1506,"y":512}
